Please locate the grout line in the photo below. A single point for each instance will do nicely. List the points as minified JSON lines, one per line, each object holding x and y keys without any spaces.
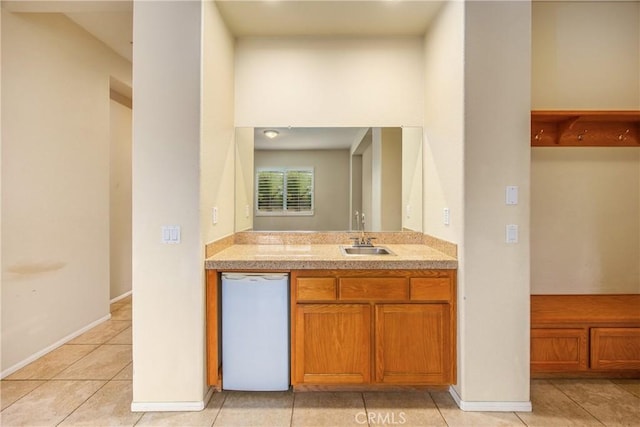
{"x":293,"y":408}
{"x":366,"y":411}
{"x":624,"y":389}
{"x":521,"y":420}
{"x":438,"y":408}
{"x":27,"y":394}
{"x":224,"y":399}
{"x":578,"y":404}
{"x":83,"y":402}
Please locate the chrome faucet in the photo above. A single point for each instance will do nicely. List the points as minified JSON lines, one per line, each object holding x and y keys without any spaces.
{"x":362,"y":240}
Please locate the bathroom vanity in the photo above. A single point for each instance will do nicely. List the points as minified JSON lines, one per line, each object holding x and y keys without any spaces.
{"x":356,"y":322}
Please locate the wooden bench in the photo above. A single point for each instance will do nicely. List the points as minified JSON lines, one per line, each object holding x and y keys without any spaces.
{"x":585,"y":335}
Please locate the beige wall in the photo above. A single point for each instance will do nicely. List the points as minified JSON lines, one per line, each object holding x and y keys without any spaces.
{"x":168,"y":189}
{"x":217,"y":147}
{"x":586,"y":55}
{"x":444,"y":123}
{"x":585,"y":213}
{"x":585,"y":220}
{"x":120,"y":200}
{"x":55,"y":182}
{"x":391,"y":179}
{"x":244,"y":179}
{"x":331,"y":187}
{"x":183,"y":166}
{"x":338,"y":81}
{"x":412,"y":189}
{"x":476,"y":142}
{"x":494,"y":293}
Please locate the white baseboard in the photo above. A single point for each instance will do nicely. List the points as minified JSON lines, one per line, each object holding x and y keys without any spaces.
{"x":52,"y":347}
{"x":489,"y":406}
{"x":172,"y":406}
{"x":118,"y":298}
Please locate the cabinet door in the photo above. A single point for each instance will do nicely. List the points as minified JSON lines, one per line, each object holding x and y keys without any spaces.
{"x":615,"y":348}
{"x":332,"y":344}
{"x":555,"y":350}
{"x":413,"y":344}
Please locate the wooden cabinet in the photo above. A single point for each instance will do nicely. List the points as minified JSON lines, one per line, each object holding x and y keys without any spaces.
{"x":559,"y":349}
{"x":333,"y":343}
{"x":412,"y":343}
{"x":615,"y":348}
{"x":375,"y":328}
{"x":585,"y":335}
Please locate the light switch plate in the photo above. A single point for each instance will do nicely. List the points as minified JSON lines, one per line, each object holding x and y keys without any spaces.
{"x":171,"y":234}
{"x":511,"y":195}
{"x":512,"y":233}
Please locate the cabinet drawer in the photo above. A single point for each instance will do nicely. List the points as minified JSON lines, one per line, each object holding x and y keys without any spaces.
{"x":373,"y":288}
{"x":316,"y":289}
{"x":558,"y":349}
{"x":430,"y":289}
{"x":615,"y":348}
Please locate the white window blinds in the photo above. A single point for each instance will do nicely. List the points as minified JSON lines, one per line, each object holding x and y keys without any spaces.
{"x":284,"y":191}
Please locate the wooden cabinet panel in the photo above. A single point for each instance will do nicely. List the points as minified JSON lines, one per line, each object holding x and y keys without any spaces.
{"x":558,"y":349}
{"x":373,"y":288}
{"x":430,"y":289}
{"x":316,"y":289}
{"x":615,"y":348}
{"x":332,"y":344}
{"x":412,"y":343}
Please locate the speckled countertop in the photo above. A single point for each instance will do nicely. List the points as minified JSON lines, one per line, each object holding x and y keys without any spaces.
{"x":326,"y":256}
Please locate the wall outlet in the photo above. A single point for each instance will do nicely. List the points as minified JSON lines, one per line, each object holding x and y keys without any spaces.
{"x":215,"y":215}
{"x":446,"y":216}
{"x":246,"y":211}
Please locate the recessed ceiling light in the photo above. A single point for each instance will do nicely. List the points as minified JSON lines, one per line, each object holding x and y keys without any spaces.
{"x":271,"y":133}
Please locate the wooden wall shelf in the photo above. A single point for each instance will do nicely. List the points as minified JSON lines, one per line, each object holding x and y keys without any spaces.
{"x":585,"y":128}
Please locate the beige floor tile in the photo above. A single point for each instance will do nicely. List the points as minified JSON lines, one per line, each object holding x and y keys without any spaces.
{"x":11,"y":391}
{"x":321,"y":409}
{"x":124,"y":337}
{"x":603,"y":399}
{"x":49,"y":404}
{"x":632,"y":386}
{"x":551,"y":407}
{"x":126,"y":373}
{"x":102,"y":364}
{"x":51,"y":364}
{"x":455,"y":417}
{"x":411,"y":408}
{"x":123,"y":313}
{"x":203,"y":418}
{"x":255,"y":409}
{"x":109,"y":406}
{"x":102,"y":333}
{"x":122,"y":303}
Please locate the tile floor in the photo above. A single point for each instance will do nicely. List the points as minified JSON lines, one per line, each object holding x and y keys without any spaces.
{"x":87,"y":382}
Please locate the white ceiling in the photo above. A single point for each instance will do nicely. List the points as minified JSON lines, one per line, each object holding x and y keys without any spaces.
{"x":328,"y":17}
{"x":111,"y":21}
{"x":309,"y":138}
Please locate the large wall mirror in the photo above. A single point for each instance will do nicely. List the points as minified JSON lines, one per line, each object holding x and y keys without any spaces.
{"x":328,"y":179}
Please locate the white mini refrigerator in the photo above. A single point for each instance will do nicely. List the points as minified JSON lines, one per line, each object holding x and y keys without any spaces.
{"x":255,"y":331}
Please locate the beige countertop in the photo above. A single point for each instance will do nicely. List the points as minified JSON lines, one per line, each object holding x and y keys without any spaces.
{"x":329,"y":256}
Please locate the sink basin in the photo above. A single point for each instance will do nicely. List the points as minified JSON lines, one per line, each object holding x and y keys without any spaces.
{"x":365,"y":250}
